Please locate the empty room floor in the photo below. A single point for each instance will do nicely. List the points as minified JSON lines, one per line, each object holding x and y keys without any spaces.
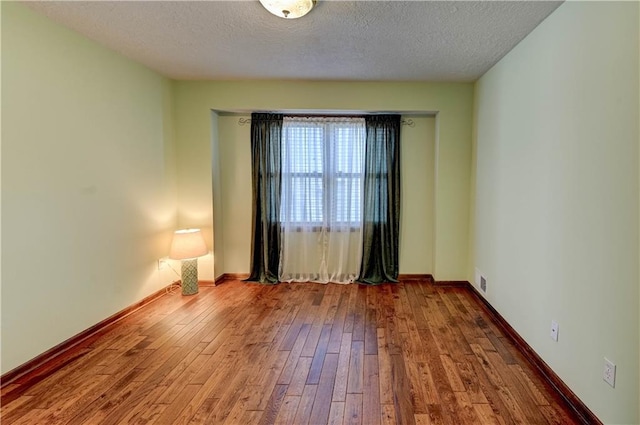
{"x":242,"y":353}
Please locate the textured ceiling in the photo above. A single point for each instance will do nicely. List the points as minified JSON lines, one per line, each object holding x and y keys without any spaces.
{"x":337,"y":40}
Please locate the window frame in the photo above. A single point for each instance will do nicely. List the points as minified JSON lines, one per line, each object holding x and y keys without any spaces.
{"x":329,"y":180}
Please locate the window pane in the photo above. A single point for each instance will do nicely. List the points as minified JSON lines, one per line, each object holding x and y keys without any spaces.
{"x":306,"y":199}
{"x":302,"y":150}
{"x":347,"y":196}
{"x":348,"y":149}
{"x":322,"y":165}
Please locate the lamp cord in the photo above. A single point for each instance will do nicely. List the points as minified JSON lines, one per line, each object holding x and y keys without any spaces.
{"x":174,"y":286}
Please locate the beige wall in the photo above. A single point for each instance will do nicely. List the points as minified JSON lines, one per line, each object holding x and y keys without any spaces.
{"x":234,"y":222}
{"x":89,"y":183}
{"x":556,"y":204}
{"x":216,"y":177}
{"x":417,"y":162}
{"x":451,"y":102}
{"x":235,"y":165}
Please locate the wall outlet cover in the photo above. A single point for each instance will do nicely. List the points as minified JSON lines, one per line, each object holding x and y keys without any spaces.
{"x":609,"y":375}
{"x":163,"y":263}
{"x":554,"y":330}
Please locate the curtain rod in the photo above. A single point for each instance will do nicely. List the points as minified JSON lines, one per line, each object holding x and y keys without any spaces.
{"x":408,"y":122}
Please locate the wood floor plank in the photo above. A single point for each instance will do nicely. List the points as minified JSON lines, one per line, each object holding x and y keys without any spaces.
{"x":438,"y":376}
{"x":238,"y":407}
{"x":422,"y":419}
{"x":219,"y":362}
{"x":337,"y":327}
{"x":356,"y":367}
{"x":183,"y":379}
{"x":353,"y":410}
{"x":103,"y":399}
{"x":342,"y":373}
{"x":173,"y":410}
{"x":294,"y":355}
{"x":371,"y":391}
{"x":402,"y":312}
{"x":359,"y":313}
{"x":267,"y":381}
{"x":270,"y":412}
{"x":8,"y":388}
{"x":196,"y":408}
{"x":437,"y":415}
{"x":526,"y":401}
{"x":336,"y":414}
{"x":413,"y":301}
{"x":322,"y":402}
{"x":332,"y":298}
{"x":451,"y":370}
{"x":67,"y":376}
{"x":299,"y":378}
{"x":311,"y":343}
{"x":371,"y":326}
{"x":303,"y":414}
{"x":533,"y":390}
{"x":287,"y":412}
{"x":33,"y":416}
{"x":241,"y":353}
{"x":401,"y":388}
{"x":486,"y":415}
{"x":503,"y":393}
{"x":204,"y":407}
{"x":11,"y":411}
{"x":105,"y":411}
{"x":66,"y":407}
{"x":417,"y":390}
{"x":465,"y":408}
{"x":318,"y":357}
{"x":388,"y":416}
{"x":556,"y":415}
{"x":471,"y":382}
{"x":431,"y":396}
{"x":384,"y":368}
{"x":350,"y":315}
{"x":490,"y":391}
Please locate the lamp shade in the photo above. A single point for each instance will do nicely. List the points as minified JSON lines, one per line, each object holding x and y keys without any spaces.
{"x":186,"y":244}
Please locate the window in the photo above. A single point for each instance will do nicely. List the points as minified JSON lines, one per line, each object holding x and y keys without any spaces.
{"x":322,"y":171}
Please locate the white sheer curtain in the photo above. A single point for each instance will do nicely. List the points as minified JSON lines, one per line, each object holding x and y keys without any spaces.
{"x":321,"y":204}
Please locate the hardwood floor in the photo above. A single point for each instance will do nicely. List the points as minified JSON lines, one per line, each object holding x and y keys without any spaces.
{"x":244,"y":353}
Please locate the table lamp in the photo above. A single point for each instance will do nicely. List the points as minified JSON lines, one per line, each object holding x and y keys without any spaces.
{"x":188,"y":245}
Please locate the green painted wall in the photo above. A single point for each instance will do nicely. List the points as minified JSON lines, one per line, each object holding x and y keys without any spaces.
{"x":88,"y":183}
{"x":556,"y":199}
{"x":451,"y":102}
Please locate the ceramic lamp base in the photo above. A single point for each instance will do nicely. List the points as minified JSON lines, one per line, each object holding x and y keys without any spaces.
{"x":190,"y":277}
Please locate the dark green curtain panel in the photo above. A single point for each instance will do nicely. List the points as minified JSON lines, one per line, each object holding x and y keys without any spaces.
{"x":381,"y":213}
{"x":266,"y":134}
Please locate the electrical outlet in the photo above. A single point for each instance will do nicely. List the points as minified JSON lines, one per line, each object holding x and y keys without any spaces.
{"x":609,"y":375}
{"x":554,"y":330}
{"x":162,"y":263}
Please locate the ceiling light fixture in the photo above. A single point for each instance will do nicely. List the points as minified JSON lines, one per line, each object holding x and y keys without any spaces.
{"x":288,"y":9}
